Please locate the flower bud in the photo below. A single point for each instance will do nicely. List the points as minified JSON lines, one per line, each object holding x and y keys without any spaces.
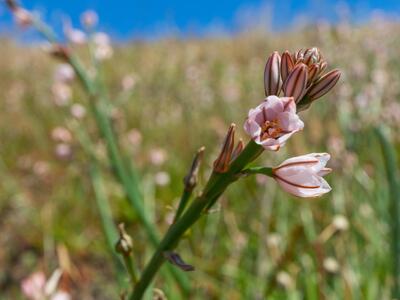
{"x":190,"y":180}
{"x":124,"y":244}
{"x":286,"y":65}
{"x":272,"y":76}
{"x":295,"y":84}
{"x":301,"y":176}
{"x":324,"y":85}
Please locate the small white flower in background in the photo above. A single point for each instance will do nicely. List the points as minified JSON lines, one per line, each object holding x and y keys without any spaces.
{"x":128,"y":82}
{"x":41,"y":168}
{"x":134,"y":137}
{"x":101,"y":38}
{"x":61,"y":134}
{"x":36,"y":287}
{"x":102,"y":43}
{"x":78,"y":111}
{"x":162,"y":178}
{"x":340,"y":222}
{"x":285,"y":280}
{"x":75,"y":36}
{"x":63,"y":151}
{"x":89,"y":19}
{"x":64,"y":73}
{"x":33,"y":286}
{"x":274,"y":240}
{"x":62,"y":94}
{"x":157,"y":156}
{"x":331,"y":265}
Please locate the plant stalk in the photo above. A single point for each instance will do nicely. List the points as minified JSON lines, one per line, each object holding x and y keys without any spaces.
{"x":215,"y":186}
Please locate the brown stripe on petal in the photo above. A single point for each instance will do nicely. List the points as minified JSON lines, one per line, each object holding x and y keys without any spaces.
{"x":295,"y":184}
{"x":324,"y":84}
{"x":295,"y":164}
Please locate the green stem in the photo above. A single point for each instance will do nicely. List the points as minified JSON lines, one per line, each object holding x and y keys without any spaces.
{"x":103,"y":207}
{"x":215,"y":186}
{"x":130,"y":267}
{"x":182,"y":204}
{"x":390,"y":160}
{"x":104,"y":124}
{"x":123,"y":174}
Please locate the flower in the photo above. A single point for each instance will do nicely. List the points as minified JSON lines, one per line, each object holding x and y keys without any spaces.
{"x":102,"y":43}
{"x":64,"y":73}
{"x":272,"y":122}
{"x":33,"y":286}
{"x":75,"y":36}
{"x":37,"y":287}
{"x":89,"y":19}
{"x":302,"y":175}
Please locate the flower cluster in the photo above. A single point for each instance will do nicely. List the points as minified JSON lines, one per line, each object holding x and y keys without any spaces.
{"x":269,"y":125}
{"x":299,"y":75}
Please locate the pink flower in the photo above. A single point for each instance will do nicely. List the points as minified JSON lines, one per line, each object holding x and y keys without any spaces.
{"x":33,"y":286}
{"x":272,"y":122}
{"x":302,"y":175}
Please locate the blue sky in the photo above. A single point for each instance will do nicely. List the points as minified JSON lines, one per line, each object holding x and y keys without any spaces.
{"x":154,"y":18}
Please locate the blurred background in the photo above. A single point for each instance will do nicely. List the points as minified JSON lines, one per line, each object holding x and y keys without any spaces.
{"x":178,"y":73}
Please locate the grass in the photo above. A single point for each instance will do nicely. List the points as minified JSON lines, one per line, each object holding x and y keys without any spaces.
{"x":260,"y":241}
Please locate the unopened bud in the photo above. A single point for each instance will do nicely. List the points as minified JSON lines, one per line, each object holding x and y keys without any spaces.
{"x":340,"y":223}
{"x":296,"y":82}
{"x":313,"y":71}
{"x":272,"y":75}
{"x":190,"y":179}
{"x":124,"y":244}
{"x":324,"y":85}
{"x":221,"y":164}
{"x":286,"y":65}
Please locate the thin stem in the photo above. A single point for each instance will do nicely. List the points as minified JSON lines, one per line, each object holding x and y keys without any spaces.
{"x":215,"y":186}
{"x":182,"y":204}
{"x":392,"y":174}
{"x":130,"y":267}
{"x":106,"y":130}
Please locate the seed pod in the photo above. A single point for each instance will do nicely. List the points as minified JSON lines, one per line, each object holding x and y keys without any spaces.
{"x":272,"y":75}
{"x":296,"y":82}
{"x":190,"y":180}
{"x":221,"y":164}
{"x":324,"y":85}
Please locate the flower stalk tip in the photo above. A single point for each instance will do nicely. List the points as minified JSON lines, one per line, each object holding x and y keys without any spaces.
{"x":190,"y":180}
